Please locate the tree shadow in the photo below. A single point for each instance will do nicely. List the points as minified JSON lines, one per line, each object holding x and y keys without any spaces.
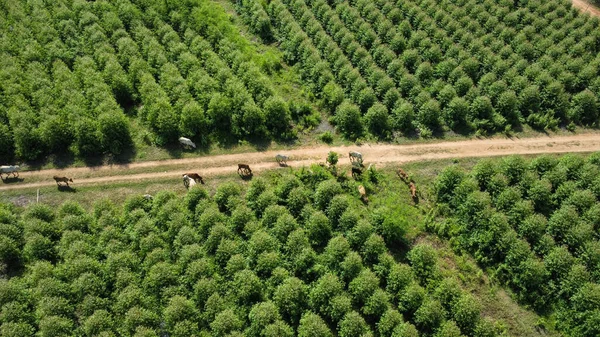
{"x":66,"y":188}
{"x":12,"y":180}
{"x":124,"y":157}
{"x":176,"y":150}
{"x":63,"y":159}
{"x":92,"y":161}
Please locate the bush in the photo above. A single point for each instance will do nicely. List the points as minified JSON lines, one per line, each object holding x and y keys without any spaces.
{"x":584,"y":108}
{"x":277,"y":117}
{"x":348,"y":120}
{"x":332,"y":158}
{"x":326,"y":137}
{"x":352,"y":325}
{"x":423,"y":260}
{"x":377,"y":120}
{"x":114,"y":131}
{"x":429,"y":114}
{"x":312,"y":325}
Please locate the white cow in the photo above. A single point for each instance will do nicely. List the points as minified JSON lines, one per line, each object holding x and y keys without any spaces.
{"x":355,"y":156}
{"x":281,"y":159}
{"x":8,"y":170}
{"x":188,"y":182}
{"x":187,"y":142}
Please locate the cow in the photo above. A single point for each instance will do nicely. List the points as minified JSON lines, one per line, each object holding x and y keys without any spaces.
{"x":195,"y":176}
{"x":413,"y":192}
{"x":402,"y":174}
{"x":355,"y":157}
{"x":244,"y":170}
{"x":188,"y":182}
{"x":363,"y":194}
{"x":281,"y":159}
{"x":356,"y":172}
{"x":62,"y":180}
{"x":8,"y":170}
{"x":187,"y":142}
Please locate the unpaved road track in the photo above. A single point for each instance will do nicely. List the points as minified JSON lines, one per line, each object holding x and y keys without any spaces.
{"x":586,"y":7}
{"x":381,"y":154}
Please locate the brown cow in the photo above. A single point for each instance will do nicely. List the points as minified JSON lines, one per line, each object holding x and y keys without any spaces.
{"x":195,"y":176}
{"x":402,"y":174}
{"x":413,"y":189}
{"x":244,"y":169}
{"x":62,"y":180}
{"x":363,"y":194}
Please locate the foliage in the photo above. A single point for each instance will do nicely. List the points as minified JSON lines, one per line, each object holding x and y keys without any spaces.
{"x":533,"y":229}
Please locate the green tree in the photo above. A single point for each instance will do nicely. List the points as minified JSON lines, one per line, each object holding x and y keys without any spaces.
{"x":377,"y":120}
{"x":423,"y":260}
{"x":312,"y":325}
{"x":584,"y":108}
{"x":363,"y":286}
{"x":114,"y":130}
{"x":430,"y":315}
{"x":466,"y":312}
{"x":455,"y":114}
{"x":260,"y":316}
{"x":291,"y":299}
{"x":277,"y":117}
{"x":324,"y":290}
{"x":429,"y":114}
{"x":352,"y":325}
{"x":226,"y":322}
{"x":348,"y":120}
{"x":88,"y":137}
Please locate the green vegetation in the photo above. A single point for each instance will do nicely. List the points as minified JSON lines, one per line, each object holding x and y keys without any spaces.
{"x":87,"y":78}
{"x":534,"y":226}
{"x":75,"y":74}
{"x":426,"y":66}
{"x":292,"y":254}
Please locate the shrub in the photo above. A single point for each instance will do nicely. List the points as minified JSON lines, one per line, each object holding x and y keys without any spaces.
{"x":312,"y":325}
{"x":423,"y":261}
{"x":326,"y":137}
{"x":352,"y":325}
{"x":348,"y":120}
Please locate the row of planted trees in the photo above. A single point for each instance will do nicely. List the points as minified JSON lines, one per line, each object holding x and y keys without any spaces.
{"x":297,"y":254}
{"x":534,"y":224}
{"x":419,"y":64}
{"x":182,"y":69}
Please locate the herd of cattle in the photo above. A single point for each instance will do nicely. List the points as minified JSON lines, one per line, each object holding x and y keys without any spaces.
{"x":356,"y":159}
{"x":190,"y":179}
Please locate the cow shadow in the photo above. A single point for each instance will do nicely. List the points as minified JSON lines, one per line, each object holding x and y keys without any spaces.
{"x":246,"y":177}
{"x":12,"y":180}
{"x":415,"y":200}
{"x":66,"y":188}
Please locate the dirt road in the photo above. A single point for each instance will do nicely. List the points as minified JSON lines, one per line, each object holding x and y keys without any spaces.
{"x":586,"y":6}
{"x":380,"y":154}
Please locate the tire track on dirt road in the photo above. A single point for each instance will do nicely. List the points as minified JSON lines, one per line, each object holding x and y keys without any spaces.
{"x":382,"y":154}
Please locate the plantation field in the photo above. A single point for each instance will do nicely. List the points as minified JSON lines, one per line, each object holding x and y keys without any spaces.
{"x":493,"y":232}
{"x":289,"y":253}
{"x":124,"y":79}
{"x":533,"y":224}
